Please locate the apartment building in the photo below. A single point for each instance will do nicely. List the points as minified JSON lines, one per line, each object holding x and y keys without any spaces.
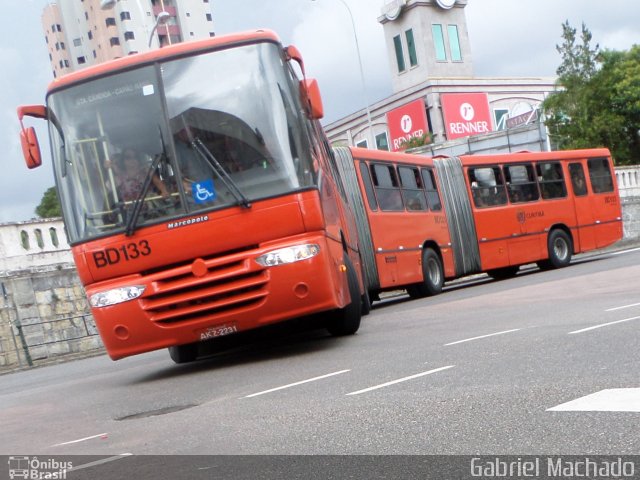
{"x":80,"y":33}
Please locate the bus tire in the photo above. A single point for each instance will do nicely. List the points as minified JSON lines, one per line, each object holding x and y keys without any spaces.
{"x":560,"y":248}
{"x":432,"y":274}
{"x":504,"y":272}
{"x":366,"y":303}
{"x":184,"y":353}
{"x":346,"y":321}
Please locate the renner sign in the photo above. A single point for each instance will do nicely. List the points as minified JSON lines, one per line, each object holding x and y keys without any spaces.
{"x":406,"y":122}
{"x":466,"y":114}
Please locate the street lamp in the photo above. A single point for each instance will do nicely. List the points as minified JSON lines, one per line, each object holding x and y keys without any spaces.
{"x":362,"y":78}
{"x":163,"y":18}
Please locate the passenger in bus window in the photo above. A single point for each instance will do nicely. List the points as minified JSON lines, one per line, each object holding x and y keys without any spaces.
{"x":579,"y":186}
{"x":130,"y":173}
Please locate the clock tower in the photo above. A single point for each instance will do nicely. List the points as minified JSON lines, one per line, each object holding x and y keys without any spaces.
{"x":426,"y":39}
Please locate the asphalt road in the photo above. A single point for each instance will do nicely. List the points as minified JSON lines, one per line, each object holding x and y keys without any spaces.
{"x":475,"y":370}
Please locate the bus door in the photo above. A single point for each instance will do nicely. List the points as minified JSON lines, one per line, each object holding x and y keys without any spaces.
{"x":525,"y":244}
{"x":584,"y":231}
{"x":494,"y":226}
{"x":605,"y":204}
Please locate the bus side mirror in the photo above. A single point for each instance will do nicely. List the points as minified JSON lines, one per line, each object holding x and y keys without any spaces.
{"x":312,"y":98}
{"x":28,"y":136}
{"x":30,"y":147}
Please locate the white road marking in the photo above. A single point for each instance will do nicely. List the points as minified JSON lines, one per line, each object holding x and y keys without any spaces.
{"x":609,"y":400}
{"x":80,"y":440}
{"x":625,"y":251}
{"x":481,"y":336}
{"x":622,"y":307}
{"x":603,"y":325}
{"x":411,"y":377}
{"x":296,"y":383}
{"x":100,"y":462}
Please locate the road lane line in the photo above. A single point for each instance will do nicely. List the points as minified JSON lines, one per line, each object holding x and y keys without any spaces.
{"x":625,"y":251}
{"x":411,"y":377}
{"x":608,"y":400}
{"x":604,"y":325}
{"x":296,"y":383}
{"x":622,"y":307}
{"x":80,"y":440}
{"x":481,"y":336}
{"x":100,"y":462}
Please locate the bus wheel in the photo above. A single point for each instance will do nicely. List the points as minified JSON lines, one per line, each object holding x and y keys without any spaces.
{"x":346,"y":321}
{"x":560,"y":249}
{"x":184,"y":353}
{"x":433,"y":276}
{"x":366,"y":303}
{"x":504,"y":272}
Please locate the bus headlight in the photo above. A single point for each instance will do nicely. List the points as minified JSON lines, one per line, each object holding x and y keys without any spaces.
{"x":115,"y":296}
{"x":288,"y":255}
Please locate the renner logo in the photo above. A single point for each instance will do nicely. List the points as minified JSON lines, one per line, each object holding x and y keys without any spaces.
{"x":406,"y":123}
{"x":468,"y":113}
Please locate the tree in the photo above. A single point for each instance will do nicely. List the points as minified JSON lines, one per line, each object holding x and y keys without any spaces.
{"x":598,"y":100}
{"x":49,"y":205}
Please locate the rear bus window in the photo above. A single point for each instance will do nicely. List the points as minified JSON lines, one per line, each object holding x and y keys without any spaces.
{"x":487,"y":186}
{"x":412,"y":191}
{"x":368,"y":186}
{"x":385,"y":182}
{"x":521,"y":183}
{"x":600,"y":175}
{"x":578,"y":182}
{"x":433,"y":197}
{"x":551,"y":180}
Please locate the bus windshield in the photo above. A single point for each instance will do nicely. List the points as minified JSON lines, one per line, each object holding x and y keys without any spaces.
{"x":179,"y":137}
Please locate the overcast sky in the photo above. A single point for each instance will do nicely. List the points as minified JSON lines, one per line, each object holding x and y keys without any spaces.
{"x":508,"y":38}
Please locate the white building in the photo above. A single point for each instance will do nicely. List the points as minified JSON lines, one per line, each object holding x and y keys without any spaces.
{"x":34,"y":244}
{"x":80,"y":33}
{"x":435,"y":91}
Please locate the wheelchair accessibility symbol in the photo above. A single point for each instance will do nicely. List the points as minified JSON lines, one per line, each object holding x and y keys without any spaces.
{"x":204,"y":191}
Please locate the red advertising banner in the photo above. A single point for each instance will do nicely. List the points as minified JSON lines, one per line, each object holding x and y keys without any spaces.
{"x":465,"y":114}
{"x":406,"y":122}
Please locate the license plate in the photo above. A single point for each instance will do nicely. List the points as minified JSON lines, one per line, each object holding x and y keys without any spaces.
{"x":218,"y":331}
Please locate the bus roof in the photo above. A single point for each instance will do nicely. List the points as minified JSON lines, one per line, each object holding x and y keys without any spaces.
{"x":169,"y":51}
{"x":530,"y":156}
{"x":369,"y":154}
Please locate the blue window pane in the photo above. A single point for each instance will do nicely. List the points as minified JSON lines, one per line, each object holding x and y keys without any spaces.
{"x":397,"y":43}
{"x":454,"y":43}
{"x":438,"y":42}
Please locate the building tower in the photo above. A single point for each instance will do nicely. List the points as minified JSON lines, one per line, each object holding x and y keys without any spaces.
{"x":426,"y":39}
{"x":86,"y":32}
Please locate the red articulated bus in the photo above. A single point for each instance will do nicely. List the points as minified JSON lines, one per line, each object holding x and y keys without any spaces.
{"x":201,"y":199}
{"x":200,"y":195}
{"x":424,"y":220}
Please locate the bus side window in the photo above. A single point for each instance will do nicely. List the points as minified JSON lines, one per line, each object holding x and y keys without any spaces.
{"x":433,"y":197}
{"x":521,"y":183}
{"x":487,"y":186}
{"x":368,"y":186}
{"x":577,"y":179}
{"x":385,"y":182}
{"x":600,"y":175}
{"x":551,"y":180}
{"x":412,"y":190}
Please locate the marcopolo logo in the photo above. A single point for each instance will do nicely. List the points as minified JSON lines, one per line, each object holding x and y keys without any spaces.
{"x":37,"y":469}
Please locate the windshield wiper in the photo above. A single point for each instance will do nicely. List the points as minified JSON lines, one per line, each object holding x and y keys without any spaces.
{"x":139,"y":201}
{"x":220,"y":172}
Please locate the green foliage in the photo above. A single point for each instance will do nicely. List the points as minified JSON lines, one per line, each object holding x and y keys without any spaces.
{"x":414,"y":142}
{"x":598,"y":102}
{"x":49,"y":205}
